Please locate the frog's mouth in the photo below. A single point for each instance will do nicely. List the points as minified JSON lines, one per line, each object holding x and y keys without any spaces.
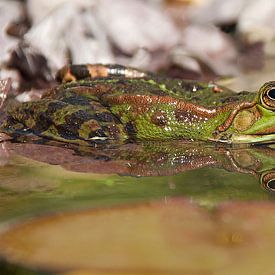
{"x":252,"y":126}
{"x":244,"y":138}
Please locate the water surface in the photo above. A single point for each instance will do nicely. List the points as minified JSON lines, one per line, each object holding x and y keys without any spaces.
{"x":114,"y":194}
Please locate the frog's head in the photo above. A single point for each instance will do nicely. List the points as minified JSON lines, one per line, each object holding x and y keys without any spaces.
{"x":255,"y":123}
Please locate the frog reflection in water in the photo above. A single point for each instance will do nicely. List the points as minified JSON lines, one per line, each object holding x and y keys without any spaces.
{"x":103,"y":103}
{"x":151,"y":159}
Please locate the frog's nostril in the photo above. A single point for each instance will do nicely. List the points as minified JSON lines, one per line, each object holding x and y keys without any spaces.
{"x":271,"y":94}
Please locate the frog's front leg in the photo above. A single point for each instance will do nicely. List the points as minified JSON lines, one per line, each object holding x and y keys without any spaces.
{"x":83,"y":71}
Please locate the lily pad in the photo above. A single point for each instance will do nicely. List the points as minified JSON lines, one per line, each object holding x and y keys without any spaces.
{"x":173,"y":236}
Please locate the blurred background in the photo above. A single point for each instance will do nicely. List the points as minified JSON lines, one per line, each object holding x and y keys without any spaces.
{"x":232,"y":41}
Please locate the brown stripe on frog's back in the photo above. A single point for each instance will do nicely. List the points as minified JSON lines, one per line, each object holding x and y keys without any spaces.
{"x":82,"y":71}
{"x":184,"y":111}
{"x":144,"y":102}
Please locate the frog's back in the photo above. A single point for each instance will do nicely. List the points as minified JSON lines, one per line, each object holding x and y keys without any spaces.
{"x":200,"y":93}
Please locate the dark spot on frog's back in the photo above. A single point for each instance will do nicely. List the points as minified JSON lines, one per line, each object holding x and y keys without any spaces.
{"x":113,"y":131}
{"x":63,"y":132}
{"x":104,"y":116}
{"x":159,"y":118}
{"x":130,"y":130}
{"x":77,"y":100}
{"x":76,"y":119}
{"x":53,"y":106}
{"x":73,"y":122}
{"x":43,"y":122}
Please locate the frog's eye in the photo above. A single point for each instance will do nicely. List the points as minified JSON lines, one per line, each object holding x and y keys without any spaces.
{"x":268,"y":95}
{"x":271,"y":94}
{"x":268,"y":181}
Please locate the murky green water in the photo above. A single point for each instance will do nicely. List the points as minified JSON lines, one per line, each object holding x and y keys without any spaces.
{"x":42,"y":180}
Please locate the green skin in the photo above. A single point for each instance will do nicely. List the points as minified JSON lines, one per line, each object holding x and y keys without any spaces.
{"x":117,"y":109}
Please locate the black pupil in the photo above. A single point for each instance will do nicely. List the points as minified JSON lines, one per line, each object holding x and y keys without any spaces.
{"x":271,"y":94}
{"x":271,"y":185}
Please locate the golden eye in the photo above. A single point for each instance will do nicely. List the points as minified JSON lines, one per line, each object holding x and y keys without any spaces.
{"x":268,"y":95}
{"x":268,"y":181}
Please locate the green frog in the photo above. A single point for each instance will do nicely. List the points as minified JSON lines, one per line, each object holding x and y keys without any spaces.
{"x":112,"y":103}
